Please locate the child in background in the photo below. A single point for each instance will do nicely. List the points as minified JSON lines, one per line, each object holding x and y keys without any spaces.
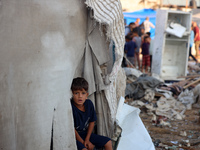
{"x":138,"y":41}
{"x":191,"y":44}
{"x":145,"y":53}
{"x":129,"y":49}
{"x":84,"y":118}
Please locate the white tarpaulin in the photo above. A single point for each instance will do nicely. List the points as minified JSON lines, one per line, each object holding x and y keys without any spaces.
{"x":134,"y":134}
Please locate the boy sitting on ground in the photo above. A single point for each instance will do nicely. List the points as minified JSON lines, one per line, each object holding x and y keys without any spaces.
{"x":84,"y":118}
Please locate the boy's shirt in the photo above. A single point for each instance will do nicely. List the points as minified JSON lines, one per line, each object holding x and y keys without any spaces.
{"x":145,"y":48}
{"x":196,"y":30}
{"x":130,"y":48}
{"x":82,"y":119}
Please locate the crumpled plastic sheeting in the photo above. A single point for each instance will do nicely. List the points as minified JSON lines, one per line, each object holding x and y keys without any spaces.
{"x":187,"y":98}
{"x":136,"y":89}
{"x":132,"y":73}
{"x":166,"y":93}
{"x":134,"y":134}
{"x":170,"y":108}
{"x":138,"y":103}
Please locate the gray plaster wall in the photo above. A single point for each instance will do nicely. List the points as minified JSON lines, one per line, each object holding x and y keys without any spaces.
{"x":41,"y":44}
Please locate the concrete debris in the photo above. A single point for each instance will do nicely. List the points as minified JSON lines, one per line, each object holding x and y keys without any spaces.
{"x":183,"y":133}
{"x":187,"y":98}
{"x":166,"y":102}
{"x":170,"y":108}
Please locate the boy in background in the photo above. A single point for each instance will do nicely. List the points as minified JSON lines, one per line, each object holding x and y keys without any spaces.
{"x":129,"y":49}
{"x":138,"y":42}
{"x":84,"y":118}
{"x":145,"y":54}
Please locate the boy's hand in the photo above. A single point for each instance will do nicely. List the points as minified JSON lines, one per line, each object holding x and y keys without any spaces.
{"x":88,"y":145}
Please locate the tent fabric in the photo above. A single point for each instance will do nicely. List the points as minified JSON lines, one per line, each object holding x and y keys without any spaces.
{"x":137,"y":89}
{"x":142,"y":14}
{"x":108,"y":13}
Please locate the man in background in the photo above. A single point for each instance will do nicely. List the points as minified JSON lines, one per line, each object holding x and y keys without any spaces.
{"x":148,"y":25}
{"x":196,"y":38}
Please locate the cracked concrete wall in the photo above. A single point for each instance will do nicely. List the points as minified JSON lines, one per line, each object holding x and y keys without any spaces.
{"x":41,"y":43}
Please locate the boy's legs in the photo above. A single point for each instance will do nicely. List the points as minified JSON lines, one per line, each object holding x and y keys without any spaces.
{"x":197,"y":43}
{"x":80,"y":146}
{"x":148,"y":62}
{"x":143,"y":62}
{"x":137,"y":59}
{"x":108,"y":145}
{"x":131,"y":59}
{"x":190,"y":54}
{"x":101,"y":141}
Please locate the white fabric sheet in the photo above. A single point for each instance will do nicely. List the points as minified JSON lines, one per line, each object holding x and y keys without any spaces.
{"x":134,"y":134}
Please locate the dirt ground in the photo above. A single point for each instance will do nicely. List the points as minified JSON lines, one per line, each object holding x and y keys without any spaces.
{"x":171,"y":137}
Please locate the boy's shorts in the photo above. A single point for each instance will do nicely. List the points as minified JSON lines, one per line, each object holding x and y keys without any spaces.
{"x":97,"y":140}
{"x":146,"y":60}
{"x":131,"y":59}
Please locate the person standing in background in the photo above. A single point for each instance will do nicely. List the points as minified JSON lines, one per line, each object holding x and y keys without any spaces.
{"x":148,"y":25}
{"x":138,"y":42}
{"x":191,"y":44}
{"x":129,"y":28}
{"x":196,"y":38}
{"x":129,"y":49}
{"x":145,"y":54}
{"x":137,"y":22}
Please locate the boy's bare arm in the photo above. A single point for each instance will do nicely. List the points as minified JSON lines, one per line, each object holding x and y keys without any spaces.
{"x":90,"y":129}
{"x":87,"y":142}
{"x":78,"y":138}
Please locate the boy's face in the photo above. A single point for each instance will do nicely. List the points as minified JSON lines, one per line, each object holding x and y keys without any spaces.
{"x":79,"y":97}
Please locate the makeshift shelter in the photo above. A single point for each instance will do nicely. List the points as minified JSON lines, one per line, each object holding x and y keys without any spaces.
{"x":44,"y":45}
{"x":142,"y":14}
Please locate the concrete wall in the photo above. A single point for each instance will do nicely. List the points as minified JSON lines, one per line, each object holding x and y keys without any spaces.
{"x":178,"y":2}
{"x":133,"y":5}
{"x":41,"y":43}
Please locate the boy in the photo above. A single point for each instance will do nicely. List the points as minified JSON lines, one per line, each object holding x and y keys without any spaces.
{"x":138,"y":41}
{"x":145,"y":53}
{"x":84,"y":118}
{"x":129,"y":49}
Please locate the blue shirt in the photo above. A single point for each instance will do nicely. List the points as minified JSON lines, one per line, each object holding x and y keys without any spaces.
{"x":191,"y":38}
{"x":130,"y":48}
{"x":82,"y":119}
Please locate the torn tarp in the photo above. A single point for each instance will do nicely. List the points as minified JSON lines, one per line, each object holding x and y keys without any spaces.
{"x":136,"y":90}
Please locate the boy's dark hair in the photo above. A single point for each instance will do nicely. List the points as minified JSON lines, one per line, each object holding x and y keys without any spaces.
{"x":79,"y":83}
{"x":131,"y":23}
{"x":128,"y":37}
{"x":148,"y":33}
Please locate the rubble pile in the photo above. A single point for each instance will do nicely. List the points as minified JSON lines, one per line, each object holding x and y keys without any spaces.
{"x":169,"y":109}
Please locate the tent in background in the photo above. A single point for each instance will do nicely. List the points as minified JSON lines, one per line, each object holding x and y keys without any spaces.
{"x":142,"y":14}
